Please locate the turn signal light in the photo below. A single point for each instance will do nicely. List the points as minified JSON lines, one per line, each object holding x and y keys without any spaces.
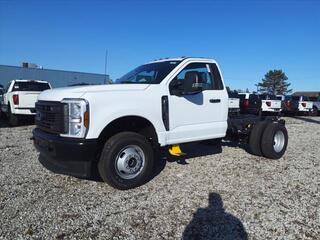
{"x":268,"y":104}
{"x":86,"y":119}
{"x":15,"y":99}
{"x":304,"y":104}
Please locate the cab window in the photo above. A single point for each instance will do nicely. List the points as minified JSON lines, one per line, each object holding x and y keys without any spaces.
{"x":207,"y":74}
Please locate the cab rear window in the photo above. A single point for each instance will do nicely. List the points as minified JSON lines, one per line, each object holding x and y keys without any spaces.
{"x":30,"y":86}
{"x":269,"y":97}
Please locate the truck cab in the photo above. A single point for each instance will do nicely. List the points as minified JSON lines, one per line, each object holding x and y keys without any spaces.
{"x":117,"y":128}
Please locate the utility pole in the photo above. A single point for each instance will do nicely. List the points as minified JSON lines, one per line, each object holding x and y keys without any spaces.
{"x":257,"y":85}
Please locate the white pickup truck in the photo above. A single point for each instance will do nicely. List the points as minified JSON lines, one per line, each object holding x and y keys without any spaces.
{"x":234,"y":103}
{"x":117,"y":129}
{"x":305,"y":105}
{"x":270,"y":103}
{"x":19,"y":98}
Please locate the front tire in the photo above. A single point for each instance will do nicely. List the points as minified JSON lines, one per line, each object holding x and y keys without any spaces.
{"x":274,"y":141}
{"x":126,"y":161}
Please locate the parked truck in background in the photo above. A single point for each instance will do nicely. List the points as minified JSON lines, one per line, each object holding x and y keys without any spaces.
{"x":316,"y":105}
{"x":305,"y":105}
{"x":1,"y":98}
{"x":117,"y":129}
{"x":19,"y":99}
{"x":234,"y":103}
{"x":270,"y":103}
{"x":290,"y":105}
{"x":250,"y":103}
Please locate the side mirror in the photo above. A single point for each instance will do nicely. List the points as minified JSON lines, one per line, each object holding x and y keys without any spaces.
{"x":176,"y":87}
{"x":191,"y":84}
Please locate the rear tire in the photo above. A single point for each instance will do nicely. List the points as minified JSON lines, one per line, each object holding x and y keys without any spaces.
{"x":126,"y":161}
{"x":255,"y":138}
{"x":13,"y":119}
{"x":314,"y":112}
{"x":274,"y":141}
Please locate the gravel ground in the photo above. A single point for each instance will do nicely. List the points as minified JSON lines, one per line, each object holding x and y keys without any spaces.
{"x":230,"y":195}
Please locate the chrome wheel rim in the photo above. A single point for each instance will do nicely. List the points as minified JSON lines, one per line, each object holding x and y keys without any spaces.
{"x":129,"y":162}
{"x":278,"y":141}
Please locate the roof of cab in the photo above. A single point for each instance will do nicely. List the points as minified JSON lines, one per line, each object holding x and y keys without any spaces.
{"x":29,"y":80}
{"x":181,"y":59}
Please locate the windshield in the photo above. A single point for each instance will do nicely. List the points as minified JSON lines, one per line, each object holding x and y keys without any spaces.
{"x":152,"y":73}
{"x":30,"y":86}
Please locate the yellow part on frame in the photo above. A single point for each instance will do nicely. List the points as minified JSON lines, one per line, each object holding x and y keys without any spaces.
{"x":175,"y":150}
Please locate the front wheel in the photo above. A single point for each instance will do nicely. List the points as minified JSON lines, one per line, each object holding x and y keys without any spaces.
{"x":274,"y":141}
{"x":126,"y":161}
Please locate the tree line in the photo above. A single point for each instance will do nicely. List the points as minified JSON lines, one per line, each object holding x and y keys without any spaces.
{"x":274,"y":82}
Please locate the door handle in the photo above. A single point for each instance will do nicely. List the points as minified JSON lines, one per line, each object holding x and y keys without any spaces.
{"x":215,"y":100}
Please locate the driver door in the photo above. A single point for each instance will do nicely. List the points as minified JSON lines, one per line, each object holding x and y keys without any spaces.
{"x":199,"y":115}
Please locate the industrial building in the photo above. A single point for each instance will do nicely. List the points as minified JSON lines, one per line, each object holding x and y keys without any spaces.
{"x":57,"y":78}
{"x":307,"y":94}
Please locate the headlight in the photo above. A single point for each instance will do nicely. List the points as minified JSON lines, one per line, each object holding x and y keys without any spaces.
{"x":76,"y":117}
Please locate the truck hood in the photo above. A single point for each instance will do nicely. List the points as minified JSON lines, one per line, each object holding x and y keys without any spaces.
{"x":77,"y":92}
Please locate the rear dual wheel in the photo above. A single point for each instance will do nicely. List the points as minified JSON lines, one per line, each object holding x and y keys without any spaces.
{"x":268,"y":139}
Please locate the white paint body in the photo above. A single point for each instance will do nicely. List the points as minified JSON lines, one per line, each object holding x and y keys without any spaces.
{"x":271,"y":105}
{"x":305,"y":106}
{"x":27,"y":99}
{"x":234,"y":103}
{"x":191,"y":117}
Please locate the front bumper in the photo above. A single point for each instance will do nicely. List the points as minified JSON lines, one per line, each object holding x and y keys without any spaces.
{"x":70,"y":156}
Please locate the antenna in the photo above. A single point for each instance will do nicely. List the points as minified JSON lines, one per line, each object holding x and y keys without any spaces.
{"x":105,"y":67}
